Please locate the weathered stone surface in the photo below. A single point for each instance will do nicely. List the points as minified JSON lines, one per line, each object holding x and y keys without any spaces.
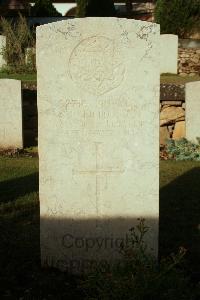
{"x":170,"y":114}
{"x":2,"y":45}
{"x":98,"y":102}
{"x":164,"y":135}
{"x":168,"y":53}
{"x":10,"y":114}
{"x":172,"y":92}
{"x":193,"y":110}
{"x":179,"y":130}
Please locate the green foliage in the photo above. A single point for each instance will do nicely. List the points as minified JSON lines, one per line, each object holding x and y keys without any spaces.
{"x":18,"y":38}
{"x":44,"y":8}
{"x":140,"y":276}
{"x":81,"y":8}
{"x":96,"y":8}
{"x":183,"y":149}
{"x":100,"y":8}
{"x":178,"y":16}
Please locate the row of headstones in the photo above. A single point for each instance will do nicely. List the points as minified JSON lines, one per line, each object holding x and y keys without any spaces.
{"x":98,"y":83}
{"x":168,"y":53}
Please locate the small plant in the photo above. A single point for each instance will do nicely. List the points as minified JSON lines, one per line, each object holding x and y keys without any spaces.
{"x":140,"y":276}
{"x":183,"y":149}
{"x":179,"y":17}
{"x":18,"y":38}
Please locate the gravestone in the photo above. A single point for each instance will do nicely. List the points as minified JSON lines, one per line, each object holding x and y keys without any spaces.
{"x":10,"y":114}
{"x":29,"y":55}
{"x":168,"y":53}
{"x":2,"y":45}
{"x":192,"y":100}
{"x":98,"y":105}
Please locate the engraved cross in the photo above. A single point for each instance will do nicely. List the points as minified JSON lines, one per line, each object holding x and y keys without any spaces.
{"x":97,"y":172}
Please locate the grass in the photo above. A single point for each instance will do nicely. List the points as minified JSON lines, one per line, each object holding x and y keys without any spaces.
{"x":165,"y":78}
{"x":177,"y":79}
{"x":23,"y":77}
{"x":20,"y":274}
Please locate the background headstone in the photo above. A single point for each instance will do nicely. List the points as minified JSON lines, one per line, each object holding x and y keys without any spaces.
{"x":192,"y":99}
{"x":10,"y":114}
{"x":29,"y":54}
{"x":98,"y":105}
{"x":2,"y":45}
{"x":168,"y":53}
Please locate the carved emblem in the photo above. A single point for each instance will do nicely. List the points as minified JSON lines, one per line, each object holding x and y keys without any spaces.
{"x":95,"y":65}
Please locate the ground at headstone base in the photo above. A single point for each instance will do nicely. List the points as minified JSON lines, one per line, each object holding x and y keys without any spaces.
{"x":16,"y":152}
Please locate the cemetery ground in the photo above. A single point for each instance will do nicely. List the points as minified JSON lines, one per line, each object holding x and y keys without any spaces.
{"x":20,"y":274}
{"x":165,"y":78}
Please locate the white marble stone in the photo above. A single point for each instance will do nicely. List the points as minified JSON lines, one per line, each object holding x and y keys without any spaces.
{"x":2,"y":45}
{"x":98,"y":105}
{"x":168,"y":53}
{"x":192,"y":99}
{"x":10,"y":114}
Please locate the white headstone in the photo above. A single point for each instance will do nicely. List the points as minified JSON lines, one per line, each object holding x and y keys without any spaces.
{"x":168,"y":53}
{"x":98,"y":105}
{"x":2,"y":46}
{"x":192,"y":99}
{"x":10,"y":114}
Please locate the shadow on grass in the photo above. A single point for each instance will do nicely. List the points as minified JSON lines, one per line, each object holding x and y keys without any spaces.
{"x":180,"y":216}
{"x":21,"y":275}
{"x":20,"y":237}
{"x":12,"y":189}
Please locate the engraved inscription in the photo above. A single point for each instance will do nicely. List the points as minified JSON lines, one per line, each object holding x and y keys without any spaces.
{"x":95,"y":65}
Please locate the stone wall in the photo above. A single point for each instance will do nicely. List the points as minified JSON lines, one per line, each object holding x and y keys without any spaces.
{"x":172,"y":112}
{"x":189,"y":61}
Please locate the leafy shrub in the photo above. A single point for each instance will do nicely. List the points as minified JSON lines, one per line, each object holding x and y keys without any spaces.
{"x":140,"y":276}
{"x":100,"y":8}
{"x":44,"y":8}
{"x":18,"y":38}
{"x":183,"y":149}
{"x":95,"y":8}
{"x":178,"y":16}
{"x":81,"y":8}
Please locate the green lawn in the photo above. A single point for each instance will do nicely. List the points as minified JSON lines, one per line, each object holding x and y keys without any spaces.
{"x":165,"y":78}
{"x":23,"y":77}
{"x":20,"y":273}
{"x":177,"y":79}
